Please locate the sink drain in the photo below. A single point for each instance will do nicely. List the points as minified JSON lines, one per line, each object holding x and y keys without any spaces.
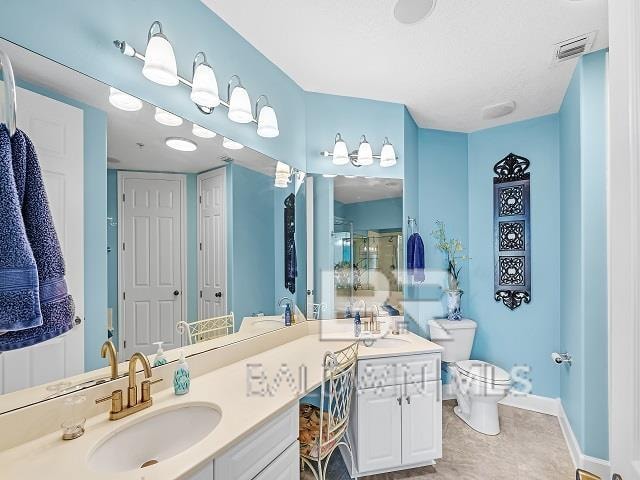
{"x":148,"y":463}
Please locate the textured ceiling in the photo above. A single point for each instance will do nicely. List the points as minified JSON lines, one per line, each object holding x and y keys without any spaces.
{"x":468,"y":54}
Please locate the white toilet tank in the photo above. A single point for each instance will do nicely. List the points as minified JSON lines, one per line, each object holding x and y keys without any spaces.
{"x":455,"y":336}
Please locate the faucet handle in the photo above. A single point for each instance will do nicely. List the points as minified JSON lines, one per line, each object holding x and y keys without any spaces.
{"x":116,"y":400}
{"x":146,"y":389}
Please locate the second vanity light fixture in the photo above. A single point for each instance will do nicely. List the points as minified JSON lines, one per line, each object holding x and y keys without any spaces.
{"x":363,"y":156}
{"x":160,"y":67}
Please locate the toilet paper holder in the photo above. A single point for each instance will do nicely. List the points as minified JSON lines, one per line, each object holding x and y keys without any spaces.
{"x":560,"y":358}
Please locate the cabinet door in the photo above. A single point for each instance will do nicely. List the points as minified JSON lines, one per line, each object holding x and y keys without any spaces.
{"x":206,"y":473}
{"x":285,"y":467}
{"x":421,"y":423}
{"x":379,"y":428}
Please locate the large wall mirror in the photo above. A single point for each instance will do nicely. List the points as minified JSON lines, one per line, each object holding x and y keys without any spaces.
{"x":359,"y":247}
{"x":170,"y":233}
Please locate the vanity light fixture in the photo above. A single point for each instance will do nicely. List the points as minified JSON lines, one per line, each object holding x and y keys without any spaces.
{"x":124,"y":101}
{"x":159,"y":60}
{"x":202,"y":132}
{"x":239,"y":102}
{"x":204,"y":89}
{"x":167,"y":118}
{"x":181,"y":144}
{"x":363,"y":156}
{"x":160,"y":66}
{"x":267,"y":120}
{"x":283,"y":175}
{"x":230,"y":144}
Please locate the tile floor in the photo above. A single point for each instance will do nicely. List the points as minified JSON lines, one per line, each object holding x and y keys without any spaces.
{"x":530,"y":446}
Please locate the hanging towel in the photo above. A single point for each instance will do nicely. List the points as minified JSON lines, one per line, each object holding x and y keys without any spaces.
{"x":56,"y":304}
{"x":290,"y":260}
{"x":19,"y":297}
{"x":415,"y":258}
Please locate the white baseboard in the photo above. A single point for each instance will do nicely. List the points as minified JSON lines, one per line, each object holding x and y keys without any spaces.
{"x":535,"y":403}
{"x":600,"y":467}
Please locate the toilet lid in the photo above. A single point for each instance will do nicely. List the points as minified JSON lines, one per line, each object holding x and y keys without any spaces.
{"x":483,"y":372}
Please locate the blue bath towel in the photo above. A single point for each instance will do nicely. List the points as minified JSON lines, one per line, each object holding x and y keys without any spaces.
{"x":56,"y":304}
{"x":19,"y":295}
{"x":415,"y":258}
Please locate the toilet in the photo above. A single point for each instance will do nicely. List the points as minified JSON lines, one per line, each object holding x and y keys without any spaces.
{"x":479,"y":386}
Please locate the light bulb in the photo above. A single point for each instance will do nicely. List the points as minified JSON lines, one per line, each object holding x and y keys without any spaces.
{"x":268,"y":122}
{"x":124,"y":101}
{"x":202,"y":132}
{"x":160,"y":60}
{"x":365,"y":155}
{"x":167,"y":118}
{"x":387,"y":155}
{"x":230,"y":144}
{"x":340,"y":152}
{"x":182,"y":144}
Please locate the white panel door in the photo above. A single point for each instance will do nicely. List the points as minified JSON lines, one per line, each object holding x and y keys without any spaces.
{"x":152,"y":253}
{"x":212,"y":232}
{"x":56,"y":130}
{"x":379,"y":442}
{"x":421,"y":423}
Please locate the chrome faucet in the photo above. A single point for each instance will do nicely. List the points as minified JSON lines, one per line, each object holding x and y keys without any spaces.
{"x":118,"y":411}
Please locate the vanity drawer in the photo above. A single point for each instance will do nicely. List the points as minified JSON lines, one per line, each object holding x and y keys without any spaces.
{"x":388,"y":371}
{"x":285,"y":467}
{"x":249,"y":457}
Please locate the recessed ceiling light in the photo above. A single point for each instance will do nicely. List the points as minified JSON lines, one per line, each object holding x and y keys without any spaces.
{"x":124,"y":101}
{"x":202,"y":132}
{"x":167,"y":118}
{"x":498,"y":110}
{"x":231,"y":145}
{"x":182,"y":144}
{"x":412,"y":11}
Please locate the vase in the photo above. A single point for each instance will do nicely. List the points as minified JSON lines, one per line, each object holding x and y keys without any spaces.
{"x":453,"y":304}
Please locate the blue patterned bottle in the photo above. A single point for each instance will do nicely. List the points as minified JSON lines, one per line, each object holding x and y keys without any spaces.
{"x":181,"y":377}
{"x":159,"y":359}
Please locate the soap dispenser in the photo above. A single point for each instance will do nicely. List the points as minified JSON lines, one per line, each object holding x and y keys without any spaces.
{"x":181,"y":377}
{"x":159,"y":359}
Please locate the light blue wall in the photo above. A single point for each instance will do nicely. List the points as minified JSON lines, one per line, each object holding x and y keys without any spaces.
{"x":95,"y":229}
{"x":527,"y":335}
{"x":385,"y":214}
{"x":80,"y":34}
{"x":352,"y":117}
{"x":112,"y":244}
{"x":584,"y":332}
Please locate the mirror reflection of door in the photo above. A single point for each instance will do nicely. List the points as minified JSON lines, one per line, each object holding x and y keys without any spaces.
{"x":212,"y":245}
{"x":151,"y":260}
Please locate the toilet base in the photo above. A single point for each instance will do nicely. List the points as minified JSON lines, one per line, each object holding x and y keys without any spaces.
{"x":482,"y":417}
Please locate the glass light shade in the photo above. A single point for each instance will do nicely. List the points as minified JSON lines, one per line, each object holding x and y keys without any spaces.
{"x":387,"y":156}
{"x":240,"y":106}
{"x":204,"y":89}
{"x":230,"y":144}
{"x":124,"y":101}
{"x":268,"y":122}
{"x":182,"y":144}
{"x":340,"y":153}
{"x":283,"y":175}
{"x":160,"y":61}
{"x":167,"y":118}
{"x":202,"y":132}
{"x":365,"y":155}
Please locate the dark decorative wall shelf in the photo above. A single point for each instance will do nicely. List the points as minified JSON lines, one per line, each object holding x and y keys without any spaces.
{"x":512,"y":236}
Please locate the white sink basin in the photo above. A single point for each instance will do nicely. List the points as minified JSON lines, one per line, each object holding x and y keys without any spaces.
{"x":385,"y":342}
{"x":154,"y":438}
{"x":268,"y":323}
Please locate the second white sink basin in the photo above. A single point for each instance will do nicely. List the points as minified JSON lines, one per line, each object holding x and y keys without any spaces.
{"x":385,"y":342}
{"x":154,"y":438}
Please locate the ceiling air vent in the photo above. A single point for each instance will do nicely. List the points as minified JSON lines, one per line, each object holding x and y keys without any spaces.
{"x":574,"y":47}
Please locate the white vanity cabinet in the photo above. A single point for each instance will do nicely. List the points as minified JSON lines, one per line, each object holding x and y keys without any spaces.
{"x":396,"y":420}
{"x":271,"y":452}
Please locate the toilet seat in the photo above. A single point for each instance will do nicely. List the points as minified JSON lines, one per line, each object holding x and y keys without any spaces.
{"x":483,"y":372}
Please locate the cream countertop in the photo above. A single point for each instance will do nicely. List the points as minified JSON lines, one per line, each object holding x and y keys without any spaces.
{"x":52,"y":458}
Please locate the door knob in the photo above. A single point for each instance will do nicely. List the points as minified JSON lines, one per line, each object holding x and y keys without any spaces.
{"x":77,"y":320}
{"x":176,"y":292}
{"x":218,"y":294}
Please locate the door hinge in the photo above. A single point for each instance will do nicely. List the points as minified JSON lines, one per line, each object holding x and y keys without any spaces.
{"x":200,"y":245}
{"x":125,"y":344}
{"x":123,"y":197}
{"x":200,"y":199}
{"x":123,"y":247}
{"x":200,"y":293}
{"x":124,"y":295}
